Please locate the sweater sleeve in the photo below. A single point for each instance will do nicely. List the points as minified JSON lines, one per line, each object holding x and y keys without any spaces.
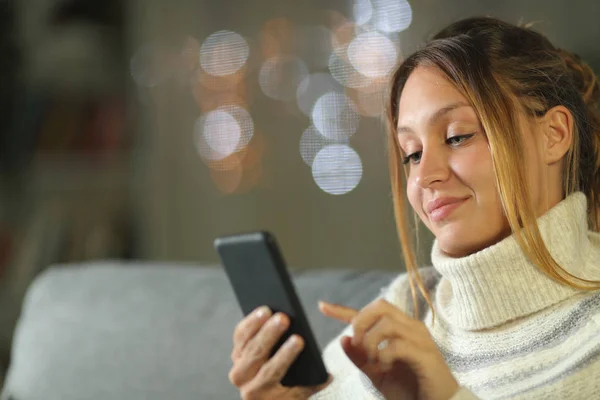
{"x":348,"y":381}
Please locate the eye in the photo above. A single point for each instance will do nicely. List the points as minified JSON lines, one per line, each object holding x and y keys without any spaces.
{"x":457,"y":140}
{"x":414,"y":158}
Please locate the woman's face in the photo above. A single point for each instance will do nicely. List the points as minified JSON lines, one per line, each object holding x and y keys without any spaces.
{"x":451,"y":181}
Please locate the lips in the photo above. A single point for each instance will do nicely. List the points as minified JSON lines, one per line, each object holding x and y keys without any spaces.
{"x":441,"y":207}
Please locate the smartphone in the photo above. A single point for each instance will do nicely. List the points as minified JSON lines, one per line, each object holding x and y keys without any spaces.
{"x":258,"y":275}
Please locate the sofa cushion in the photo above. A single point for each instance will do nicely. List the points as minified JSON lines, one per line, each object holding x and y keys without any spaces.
{"x":148,"y":331}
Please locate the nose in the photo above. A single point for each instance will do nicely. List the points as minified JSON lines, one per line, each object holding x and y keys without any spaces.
{"x":433,"y":167}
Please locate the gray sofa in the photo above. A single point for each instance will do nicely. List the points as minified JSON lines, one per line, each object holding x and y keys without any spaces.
{"x":134,"y":331}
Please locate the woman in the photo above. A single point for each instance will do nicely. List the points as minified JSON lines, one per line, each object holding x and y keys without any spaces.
{"x":495,"y":137}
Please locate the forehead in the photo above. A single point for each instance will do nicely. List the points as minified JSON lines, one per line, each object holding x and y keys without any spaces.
{"x":426,"y":90}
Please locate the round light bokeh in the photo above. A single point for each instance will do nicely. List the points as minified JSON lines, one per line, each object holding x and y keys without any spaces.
{"x":280,"y":76}
{"x":372,"y":54}
{"x":244,"y":121}
{"x":363,"y":11}
{"x":335,"y":116}
{"x":392,"y":15}
{"x":311,"y":142}
{"x":222,"y":132}
{"x":276,"y":37}
{"x":223,"y":53}
{"x":150,"y":65}
{"x":228,"y":181}
{"x":312,"y":88}
{"x":337,"y":169}
{"x":345,"y":73}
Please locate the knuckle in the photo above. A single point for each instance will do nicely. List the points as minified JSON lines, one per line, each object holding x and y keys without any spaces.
{"x":256,"y":349}
{"x":369,"y":341}
{"x":267,"y":373}
{"x":238,"y":332}
{"x":357,"y":325}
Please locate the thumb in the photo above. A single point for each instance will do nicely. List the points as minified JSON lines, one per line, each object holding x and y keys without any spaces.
{"x":356,"y":354}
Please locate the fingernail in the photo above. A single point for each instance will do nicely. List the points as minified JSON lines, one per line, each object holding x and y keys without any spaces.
{"x":293,"y":342}
{"x":278,"y":320}
{"x":262,"y":311}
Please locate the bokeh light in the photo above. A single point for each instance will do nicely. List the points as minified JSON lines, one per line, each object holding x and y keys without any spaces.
{"x":208,"y":100}
{"x":244,"y":121}
{"x":312,"y":88}
{"x":335,"y":116}
{"x":221,"y":132}
{"x":337,"y":169}
{"x":213,"y":161}
{"x":223,"y":53}
{"x":280,"y":76}
{"x":151,"y":65}
{"x":276,"y":37}
{"x":392,"y":15}
{"x":228,"y":181}
{"x":363,"y":11}
{"x":241,"y":171}
{"x":311,"y":142}
{"x":344,"y":72}
{"x":372,"y":54}
{"x":220,"y":83}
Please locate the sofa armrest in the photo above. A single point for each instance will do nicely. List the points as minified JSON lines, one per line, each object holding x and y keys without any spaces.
{"x":147,"y":331}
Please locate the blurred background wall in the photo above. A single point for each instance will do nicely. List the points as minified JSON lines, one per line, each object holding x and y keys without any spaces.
{"x":187,"y":203}
{"x":145,"y":128}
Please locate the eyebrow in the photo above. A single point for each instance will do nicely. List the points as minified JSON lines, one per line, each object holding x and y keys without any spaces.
{"x":435,"y":116}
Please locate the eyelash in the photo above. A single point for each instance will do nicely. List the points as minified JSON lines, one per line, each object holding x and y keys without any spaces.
{"x":463,"y":138}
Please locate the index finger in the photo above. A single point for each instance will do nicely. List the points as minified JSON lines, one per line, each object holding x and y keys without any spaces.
{"x":337,"y":311}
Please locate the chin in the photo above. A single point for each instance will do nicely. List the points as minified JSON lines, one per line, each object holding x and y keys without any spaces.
{"x":457,"y":250}
{"x":458,"y":242}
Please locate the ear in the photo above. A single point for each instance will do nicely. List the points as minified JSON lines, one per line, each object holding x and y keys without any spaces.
{"x":557,"y":126}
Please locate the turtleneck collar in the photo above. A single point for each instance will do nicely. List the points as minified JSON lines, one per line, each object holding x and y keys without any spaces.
{"x":499,"y":284}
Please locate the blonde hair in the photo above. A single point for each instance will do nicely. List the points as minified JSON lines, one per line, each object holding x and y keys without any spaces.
{"x":504,"y":70}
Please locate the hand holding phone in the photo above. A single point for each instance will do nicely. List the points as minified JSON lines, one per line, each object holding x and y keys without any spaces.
{"x":255,"y":372}
{"x":258,"y":275}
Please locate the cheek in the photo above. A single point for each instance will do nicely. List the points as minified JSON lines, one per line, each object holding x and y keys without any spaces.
{"x":474,"y":169}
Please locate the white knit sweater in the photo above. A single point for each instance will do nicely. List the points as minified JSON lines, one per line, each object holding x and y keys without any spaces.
{"x":505,"y":329}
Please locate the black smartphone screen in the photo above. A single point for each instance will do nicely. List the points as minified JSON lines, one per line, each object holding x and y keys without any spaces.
{"x":258,"y":275}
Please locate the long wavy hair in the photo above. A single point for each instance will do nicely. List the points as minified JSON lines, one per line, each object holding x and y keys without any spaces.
{"x":503,"y":70}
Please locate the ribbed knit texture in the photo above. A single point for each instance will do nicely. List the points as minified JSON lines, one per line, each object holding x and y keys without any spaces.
{"x":505,"y":329}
